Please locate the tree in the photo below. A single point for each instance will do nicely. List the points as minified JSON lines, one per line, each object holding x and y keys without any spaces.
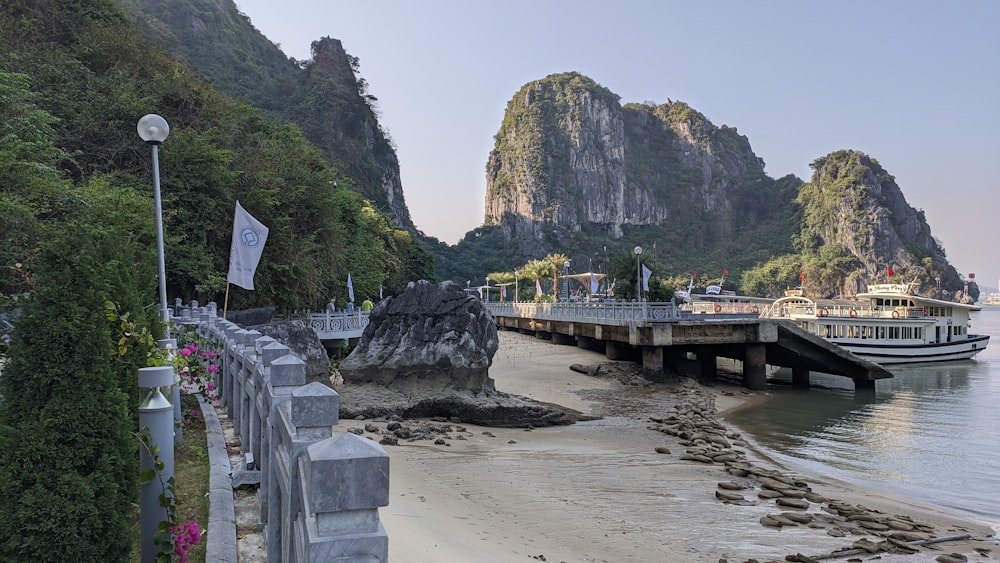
{"x":30,"y":183}
{"x":558,"y":261}
{"x":537,"y":270}
{"x":501,"y":278}
{"x":67,"y":462}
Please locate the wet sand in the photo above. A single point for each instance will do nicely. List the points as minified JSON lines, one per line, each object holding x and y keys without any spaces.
{"x":598,"y":491}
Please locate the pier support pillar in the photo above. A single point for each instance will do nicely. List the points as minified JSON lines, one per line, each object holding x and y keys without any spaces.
{"x":652,"y":360}
{"x":564,"y":339}
{"x":861,"y":383}
{"x":615,"y":350}
{"x":706,"y":365}
{"x":755,"y":367}
{"x":588,"y":343}
{"x":800,"y":377}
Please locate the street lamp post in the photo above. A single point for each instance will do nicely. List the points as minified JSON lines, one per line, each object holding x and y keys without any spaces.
{"x":566,"y":279}
{"x":516,"y":275}
{"x":638,"y":272}
{"x":154,"y":130}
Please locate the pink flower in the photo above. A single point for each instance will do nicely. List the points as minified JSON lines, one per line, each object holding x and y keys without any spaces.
{"x":210,"y":387}
{"x":195,"y":413}
{"x":212,"y":368}
{"x":185,"y":352}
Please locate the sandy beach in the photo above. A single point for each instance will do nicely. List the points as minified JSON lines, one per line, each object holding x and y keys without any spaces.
{"x":598,"y":491}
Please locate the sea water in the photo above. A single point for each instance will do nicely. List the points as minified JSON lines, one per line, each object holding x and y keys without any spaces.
{"x":930,"y":434}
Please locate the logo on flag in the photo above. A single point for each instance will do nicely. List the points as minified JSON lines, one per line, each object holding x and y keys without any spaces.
{"x":646,"y":272}
{"x":249,"y":237}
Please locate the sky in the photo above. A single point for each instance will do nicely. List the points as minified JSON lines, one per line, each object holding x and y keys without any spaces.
{"x":914,"y":84}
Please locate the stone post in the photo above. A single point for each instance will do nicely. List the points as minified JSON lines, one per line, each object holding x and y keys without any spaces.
{"x":285,"y":374}
{"x":230,"y":365}
{"x":301,"y":421}
{"x":346,"y":479}
{"x":245,"y":358}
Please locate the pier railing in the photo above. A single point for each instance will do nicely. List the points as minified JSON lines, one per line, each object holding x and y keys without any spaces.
{"x":339,"y":325}
{"x":617,"y":313}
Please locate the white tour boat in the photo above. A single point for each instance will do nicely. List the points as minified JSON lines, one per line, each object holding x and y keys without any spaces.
{"x":716,"y":300}
{"x":888,"y":324}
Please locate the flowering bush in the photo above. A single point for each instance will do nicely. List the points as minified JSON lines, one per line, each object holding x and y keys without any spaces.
{"x":197,"y":368}
{"x":186,"y":536}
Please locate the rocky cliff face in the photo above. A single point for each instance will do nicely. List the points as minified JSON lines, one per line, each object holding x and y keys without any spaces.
{"x":853,"y":202}
{"x":568,"y":154}
{"x":348,"y":131}
{"x":324,"y":96}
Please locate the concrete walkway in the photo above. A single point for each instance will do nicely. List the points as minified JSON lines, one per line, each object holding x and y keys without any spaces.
{"x":234,"y":534}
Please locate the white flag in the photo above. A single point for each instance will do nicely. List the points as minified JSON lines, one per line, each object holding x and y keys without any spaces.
{"x":593,"y":283}
{"x":503,"y":292}
{"x":350,"y":287}
{"x":379,"y":292}
{"x":538,"y":287}
{"x":646,"y":272}
{"x":249,"y":236}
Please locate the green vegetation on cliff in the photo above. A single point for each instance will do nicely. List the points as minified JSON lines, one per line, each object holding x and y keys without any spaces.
{"x":77,"y":78}
{"x":855,"y":226}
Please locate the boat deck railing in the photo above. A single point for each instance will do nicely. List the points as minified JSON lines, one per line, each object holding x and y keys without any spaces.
{"x":788,"y":310}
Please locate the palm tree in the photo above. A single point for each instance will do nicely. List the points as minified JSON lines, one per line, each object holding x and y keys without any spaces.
{"x":536,"y":270}
{"x":557,"y":260}
{"x":501,"y":278}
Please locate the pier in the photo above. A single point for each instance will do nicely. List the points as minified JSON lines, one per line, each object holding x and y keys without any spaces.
{"x":664,"y":338}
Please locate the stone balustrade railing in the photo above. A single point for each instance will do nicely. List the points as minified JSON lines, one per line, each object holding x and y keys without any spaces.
{"x":319,"y":491}
{"x":619,"y":313}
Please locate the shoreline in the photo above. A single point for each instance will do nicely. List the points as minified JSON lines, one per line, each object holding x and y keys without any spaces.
{"x":597,"y":490}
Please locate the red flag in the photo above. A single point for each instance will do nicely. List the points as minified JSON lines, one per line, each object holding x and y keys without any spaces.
{"x":696,"y":275}
{"x":725,"y":272}
{"x":889,"y":272}
{"x":802,"y":277}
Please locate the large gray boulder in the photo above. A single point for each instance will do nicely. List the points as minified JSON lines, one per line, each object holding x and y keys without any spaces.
{"x":304,"y":344}
{"x":427,"y":353}
{"x":431,"y":337}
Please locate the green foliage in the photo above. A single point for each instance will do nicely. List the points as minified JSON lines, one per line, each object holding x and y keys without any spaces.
{"x":482,"y":250}
{"x":91,"y":78}
{"x":67,"y":465}
{"x":772,"y":278}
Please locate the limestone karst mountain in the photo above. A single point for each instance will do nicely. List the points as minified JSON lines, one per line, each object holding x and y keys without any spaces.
{"x":574,"y":170}
{"x":852,"y":202}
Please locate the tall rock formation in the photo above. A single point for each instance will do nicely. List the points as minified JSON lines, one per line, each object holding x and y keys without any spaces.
{"x":568,"y":154}
{"x":853,"y":202}
{"x":323,"y":96}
